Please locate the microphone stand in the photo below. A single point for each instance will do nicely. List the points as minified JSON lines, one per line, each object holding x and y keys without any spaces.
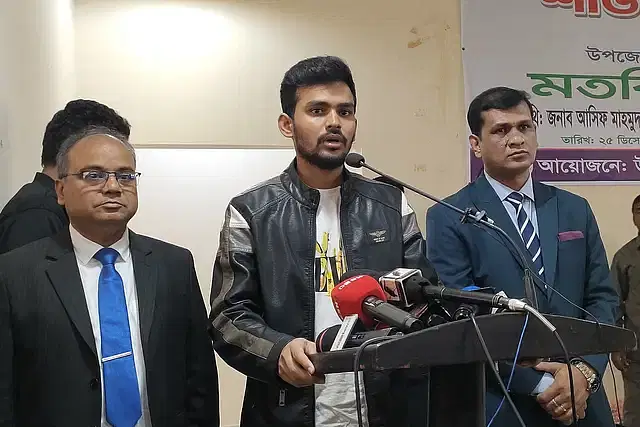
{"x":469,"y":215}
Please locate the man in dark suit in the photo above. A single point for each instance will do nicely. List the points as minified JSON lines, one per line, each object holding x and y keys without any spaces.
{"x":100,"y":326}
{"x":558,"y":233}
{"x":33,"y":212}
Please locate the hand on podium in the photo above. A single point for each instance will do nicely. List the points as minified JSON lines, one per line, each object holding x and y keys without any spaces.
{"x":294,"y":365}
{"x":556,"y":399}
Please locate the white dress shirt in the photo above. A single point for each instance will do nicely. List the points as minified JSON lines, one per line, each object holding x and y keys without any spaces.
{"x":528,"y":204}
{"x":90,"y":269}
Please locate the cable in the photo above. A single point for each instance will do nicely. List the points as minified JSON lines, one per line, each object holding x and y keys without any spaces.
{"x":615,"y":390}
{"x":495,"y":372}
{"x":473,"y":217}
{"x":356,"y":369}
{"x":536,"y":277}
{"x":539,"y":316}
{"x":513,"y":368}
{"x":568,"y":362}
{"x":553,"y":329}
{"x":549,"y":325}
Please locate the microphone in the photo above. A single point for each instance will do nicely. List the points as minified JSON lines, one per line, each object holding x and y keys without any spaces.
{"x":392,"y":283}
{"x":419,"y":290}
{"x":362,"y":295}
{"x":415,"y":289}
{"x":326,"y":338}
{"x":469,"y":215}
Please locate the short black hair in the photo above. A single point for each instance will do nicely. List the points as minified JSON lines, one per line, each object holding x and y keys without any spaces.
{"x":311,"y":72}
{"x":498,"y":98}
{"x":77,"y":115}
{"x":389,"y":181}
{"x":635,"y":202}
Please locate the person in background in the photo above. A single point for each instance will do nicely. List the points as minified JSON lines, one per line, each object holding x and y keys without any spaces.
{"x":100,"y":325}
{"x":625,"y":274}
{"x":284,"y":245}
{"x":558,"y":233}
{"x":33,"y":212}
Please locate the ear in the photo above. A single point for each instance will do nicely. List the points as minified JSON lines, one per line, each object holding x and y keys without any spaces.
{"x":285,"y":124}
{"x":474,"y":142}
{"x":60,"y":191}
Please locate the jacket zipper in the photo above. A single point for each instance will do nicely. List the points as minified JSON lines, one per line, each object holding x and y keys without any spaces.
{"x":343,"y":222}
{"x":281,"y":398}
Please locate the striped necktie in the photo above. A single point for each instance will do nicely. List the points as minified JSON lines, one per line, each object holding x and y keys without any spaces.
{"x":528,"y":233}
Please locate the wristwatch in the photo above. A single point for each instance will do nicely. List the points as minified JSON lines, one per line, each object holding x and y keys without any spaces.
{"x":593,"y":379}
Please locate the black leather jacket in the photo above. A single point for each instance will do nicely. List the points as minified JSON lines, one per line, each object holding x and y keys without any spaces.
{"x":263,"y":287}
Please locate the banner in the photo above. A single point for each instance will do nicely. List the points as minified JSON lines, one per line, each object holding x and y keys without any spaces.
{"x":580,"y":62}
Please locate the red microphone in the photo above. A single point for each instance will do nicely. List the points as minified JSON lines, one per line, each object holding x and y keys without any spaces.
{"x":362,"y":295}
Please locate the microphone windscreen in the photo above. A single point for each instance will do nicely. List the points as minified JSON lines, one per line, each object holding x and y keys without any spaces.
{"x":325,"y":339}
{"x":349,"y":295}
{"x":354,"y":160}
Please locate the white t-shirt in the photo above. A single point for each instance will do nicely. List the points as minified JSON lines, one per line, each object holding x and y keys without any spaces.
{"x":335,"y":399}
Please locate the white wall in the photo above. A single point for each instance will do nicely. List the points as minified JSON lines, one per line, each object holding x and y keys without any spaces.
{"x":209,"y":72}
{"x":36,"y":51}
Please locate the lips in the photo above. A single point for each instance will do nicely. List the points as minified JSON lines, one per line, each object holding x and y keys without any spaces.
{"x":111,"y":203}
{"x":334,"y":139}
{"x":517,"y":153}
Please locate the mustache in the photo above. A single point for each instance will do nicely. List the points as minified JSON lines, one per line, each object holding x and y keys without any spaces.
{"x":333,"y":135}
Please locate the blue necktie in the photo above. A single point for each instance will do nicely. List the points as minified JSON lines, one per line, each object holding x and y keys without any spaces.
{"x":528,"y":233}
{"x":121,"y":393}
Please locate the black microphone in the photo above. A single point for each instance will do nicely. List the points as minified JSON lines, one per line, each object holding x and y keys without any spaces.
{"x":419,"y":289}
{"x":469,"y":215}
{"x":325,"y":339}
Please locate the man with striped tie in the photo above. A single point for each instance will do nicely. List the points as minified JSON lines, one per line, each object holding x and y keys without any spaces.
{"x":100,"y":326}
{"x":557,"y":232}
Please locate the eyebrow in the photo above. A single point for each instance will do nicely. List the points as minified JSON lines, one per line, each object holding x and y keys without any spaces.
{"x":520,"y":122}
{"x":324,"y":104}
{"x":102,"y":168}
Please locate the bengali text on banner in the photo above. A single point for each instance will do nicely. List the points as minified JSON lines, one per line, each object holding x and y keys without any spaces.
{"x":580,"y":65}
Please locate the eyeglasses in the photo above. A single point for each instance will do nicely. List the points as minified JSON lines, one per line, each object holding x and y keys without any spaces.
{"x":97,"y":177}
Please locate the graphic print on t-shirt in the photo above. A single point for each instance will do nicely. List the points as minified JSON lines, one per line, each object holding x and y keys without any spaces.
{"x":330,"y":264}
{"x":335,"y":399}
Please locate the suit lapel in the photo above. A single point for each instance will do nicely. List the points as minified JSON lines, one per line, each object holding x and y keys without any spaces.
{"x":146,"y":274}
{"x":486,"y":199}
{"x":65,"y":278}
{"x":547,"y":215}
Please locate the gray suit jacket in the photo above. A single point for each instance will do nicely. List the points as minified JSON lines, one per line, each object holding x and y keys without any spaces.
{"x":49,"y":372}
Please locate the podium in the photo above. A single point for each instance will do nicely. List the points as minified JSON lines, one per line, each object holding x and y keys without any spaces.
{"x":456,"y":360}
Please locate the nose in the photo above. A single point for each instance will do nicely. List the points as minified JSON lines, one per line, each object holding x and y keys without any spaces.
{"x":333,"y":120}
{"x":111,"y":185}
{"x":516,"y":139}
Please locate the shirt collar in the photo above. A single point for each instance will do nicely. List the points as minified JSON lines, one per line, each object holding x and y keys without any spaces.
{"x":85,"y":249}
{"x":503,"y":191}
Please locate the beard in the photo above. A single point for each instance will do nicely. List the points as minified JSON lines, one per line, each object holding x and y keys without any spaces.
{"x":321,"y":159}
